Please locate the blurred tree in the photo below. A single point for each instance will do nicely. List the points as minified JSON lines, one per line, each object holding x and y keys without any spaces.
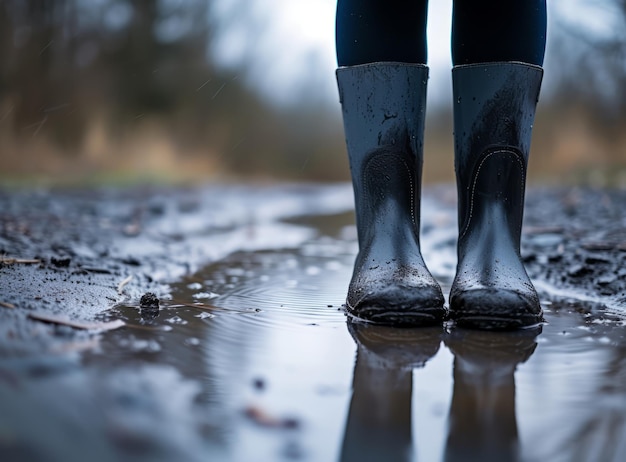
{"x":580,"y":124}
{"x":66,"y":61}
{"x":137,"y":68}
{"x":32,"y":50}
{"x":592,"y":61}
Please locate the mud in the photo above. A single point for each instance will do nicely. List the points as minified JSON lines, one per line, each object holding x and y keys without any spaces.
{"x":250,"y":355}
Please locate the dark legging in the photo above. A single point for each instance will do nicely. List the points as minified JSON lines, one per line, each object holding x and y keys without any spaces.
{"x":482,"y":31}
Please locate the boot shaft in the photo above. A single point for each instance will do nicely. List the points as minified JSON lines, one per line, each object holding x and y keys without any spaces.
{"x":383,"y":106}
{"x":380,"y":101}
{"x":494,"y":111}
{"x":494,"y":106}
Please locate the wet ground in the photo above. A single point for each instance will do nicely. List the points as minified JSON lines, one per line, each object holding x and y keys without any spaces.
{"x":251,"y":357}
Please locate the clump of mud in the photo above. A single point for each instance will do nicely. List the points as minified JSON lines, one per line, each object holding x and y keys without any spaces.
{"x":149,"y":301}
{"x":575,"y":244}
{"x":149,"y":305}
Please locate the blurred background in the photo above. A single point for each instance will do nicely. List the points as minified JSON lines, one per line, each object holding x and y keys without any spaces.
{"x":198,"y":90}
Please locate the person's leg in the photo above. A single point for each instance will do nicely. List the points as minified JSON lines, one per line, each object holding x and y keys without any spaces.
{"x":370,"y":31}
{"x":485,"y":31}
{"x":382,"y":88}
{"x":497,"y":49}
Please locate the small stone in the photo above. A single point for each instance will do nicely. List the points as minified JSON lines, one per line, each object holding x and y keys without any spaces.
{"x":131,"y":261}
{"x":149,"y":301}
{"x":593,"y":259}
{"x":555,"y":257}
{"x":605,"y":280}
{"x":579,"y":271}
{"x":61,"y":262}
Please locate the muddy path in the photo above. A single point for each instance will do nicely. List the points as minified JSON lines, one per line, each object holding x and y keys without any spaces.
{"x":250,"y":356}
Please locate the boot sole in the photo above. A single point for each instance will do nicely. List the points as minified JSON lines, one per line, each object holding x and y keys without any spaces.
{"x":485,"y":322}
{"x":384,"y":316}
{"x":495,"y":309}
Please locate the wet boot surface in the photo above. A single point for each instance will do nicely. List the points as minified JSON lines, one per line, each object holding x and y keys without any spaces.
{"x":491,"y":289}
{"x":391,"y":284}
{"x":493,"y":118}
{"x":383,"y":108}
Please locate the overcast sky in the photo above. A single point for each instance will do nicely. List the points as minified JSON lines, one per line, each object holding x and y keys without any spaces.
{"x":289,"y":50}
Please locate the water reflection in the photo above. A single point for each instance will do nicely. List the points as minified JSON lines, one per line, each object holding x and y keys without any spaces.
{"x":482,"y":423}
{"x":379,"y":419}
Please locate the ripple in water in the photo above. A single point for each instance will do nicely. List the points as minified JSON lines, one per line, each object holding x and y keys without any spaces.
{"x":270,"y":344}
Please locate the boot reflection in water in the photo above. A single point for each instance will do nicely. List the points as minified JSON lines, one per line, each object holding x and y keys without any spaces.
{"x":482,"y":424}
{"x":379,"y":420}
{"x":497,"y":50}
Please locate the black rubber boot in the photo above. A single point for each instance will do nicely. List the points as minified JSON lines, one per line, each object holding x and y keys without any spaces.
{"x":494,"y":110}
{"x":383,"y":112}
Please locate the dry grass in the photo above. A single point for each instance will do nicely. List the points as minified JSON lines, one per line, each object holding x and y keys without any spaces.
{"x":566,"y":149}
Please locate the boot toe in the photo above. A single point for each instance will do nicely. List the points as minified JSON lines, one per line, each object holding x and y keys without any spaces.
{"x":495,"y":309}
{"x":399,"y":306}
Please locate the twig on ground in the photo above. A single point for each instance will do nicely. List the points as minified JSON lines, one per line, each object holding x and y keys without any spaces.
{"x":261,"y":417}
{"x":7,"y":305}
{"x":64,"y":321}
{"x":121,"y":285}
{"x":18,"y":261}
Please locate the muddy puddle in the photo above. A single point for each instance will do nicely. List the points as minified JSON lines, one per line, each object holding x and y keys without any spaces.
{"x":253,"y":359}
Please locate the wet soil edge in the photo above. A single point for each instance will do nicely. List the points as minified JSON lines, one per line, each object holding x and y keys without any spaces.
{"x":77,"y":253}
